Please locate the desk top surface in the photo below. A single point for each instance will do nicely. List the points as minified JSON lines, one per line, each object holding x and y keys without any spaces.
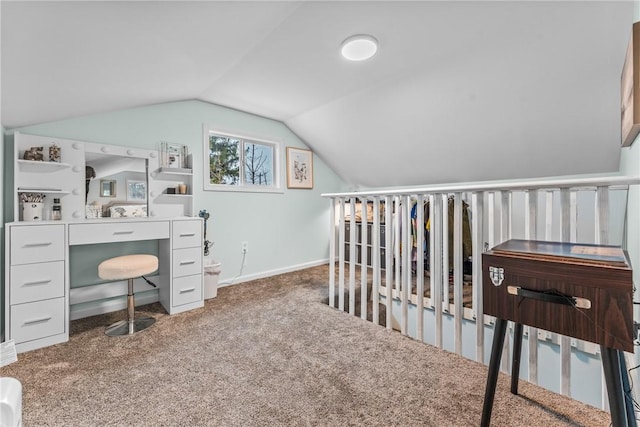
{"x":580,"y":253}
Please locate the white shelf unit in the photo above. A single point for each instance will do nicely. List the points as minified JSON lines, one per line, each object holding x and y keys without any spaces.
{"x":170,"y":178}
{"x":40,"y":166}
{"x":64,"y":179}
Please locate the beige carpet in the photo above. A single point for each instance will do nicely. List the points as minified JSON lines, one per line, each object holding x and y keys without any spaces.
{"x":268,"y":353}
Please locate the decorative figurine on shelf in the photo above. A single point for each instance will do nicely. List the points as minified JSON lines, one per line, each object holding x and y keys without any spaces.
{"x":54,"y":153}
{"x":34,"y":153}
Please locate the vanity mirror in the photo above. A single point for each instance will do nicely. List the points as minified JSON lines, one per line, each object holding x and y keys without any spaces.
{"x":109,"y":190}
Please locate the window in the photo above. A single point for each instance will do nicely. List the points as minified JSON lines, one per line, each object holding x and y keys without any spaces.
{"x":237,"y":163}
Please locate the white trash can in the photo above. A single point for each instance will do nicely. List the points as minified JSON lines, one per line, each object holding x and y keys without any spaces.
{"x":212,"y":270}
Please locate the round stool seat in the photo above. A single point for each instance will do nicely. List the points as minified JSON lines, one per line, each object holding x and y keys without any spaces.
{"x":127,"y":266}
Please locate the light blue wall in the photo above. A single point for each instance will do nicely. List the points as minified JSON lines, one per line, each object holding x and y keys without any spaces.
{"x":283,"y":230}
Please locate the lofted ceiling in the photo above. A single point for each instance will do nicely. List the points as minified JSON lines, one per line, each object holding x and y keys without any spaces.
{"x":459,"y":91}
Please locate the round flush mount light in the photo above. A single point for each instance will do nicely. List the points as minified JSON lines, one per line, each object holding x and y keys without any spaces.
{"x":359,"y":47}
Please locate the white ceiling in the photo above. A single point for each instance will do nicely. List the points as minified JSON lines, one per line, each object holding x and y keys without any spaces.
{"x":459,"y":91}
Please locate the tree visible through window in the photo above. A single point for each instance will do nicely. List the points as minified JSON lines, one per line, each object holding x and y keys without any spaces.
{"x":239,"y":162}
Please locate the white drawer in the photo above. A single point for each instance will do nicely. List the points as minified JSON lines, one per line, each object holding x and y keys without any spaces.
{"x":35,"y":282}
{"x":37,"y":243}
{"x":115,"y":231}
{"x":36,"y":320}
{"x":187,"y":289}
{"x":187,"y":262}
{"x":187,"y":234}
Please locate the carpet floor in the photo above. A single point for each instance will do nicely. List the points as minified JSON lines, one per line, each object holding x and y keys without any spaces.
{"x":268,"y":353}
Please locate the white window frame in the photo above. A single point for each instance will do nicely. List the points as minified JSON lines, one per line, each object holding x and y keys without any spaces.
{"x":242,"y":186}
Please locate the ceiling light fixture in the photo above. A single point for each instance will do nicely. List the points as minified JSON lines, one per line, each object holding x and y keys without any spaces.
{"x":359,"y":47}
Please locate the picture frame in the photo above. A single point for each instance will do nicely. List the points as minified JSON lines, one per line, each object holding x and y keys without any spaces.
{"x":630,"y":90}
{"x":108,"y":188}
{"x":299,"y":168}
{"x":136,"y":189}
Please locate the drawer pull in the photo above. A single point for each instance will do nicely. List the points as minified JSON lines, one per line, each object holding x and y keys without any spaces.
{"x":187,"y":234}
{"x":37,"y":282}
{"x":123,"y":232}
{"x":35,"y":244}
{"x":39,"y":320}
{"x":184,"y":291}
{"x":191,"y":261}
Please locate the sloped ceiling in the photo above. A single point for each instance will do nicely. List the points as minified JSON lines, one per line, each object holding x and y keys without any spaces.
{"x":459,"y":91}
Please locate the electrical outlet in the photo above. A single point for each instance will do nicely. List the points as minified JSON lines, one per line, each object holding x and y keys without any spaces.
{"x":244,"y":249}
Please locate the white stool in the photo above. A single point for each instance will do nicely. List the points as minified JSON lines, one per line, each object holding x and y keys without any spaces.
{"x":128,"y":267}
{"x":10,"y":402}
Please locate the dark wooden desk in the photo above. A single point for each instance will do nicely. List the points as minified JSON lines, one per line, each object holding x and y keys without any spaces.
{"x":578,"y":290}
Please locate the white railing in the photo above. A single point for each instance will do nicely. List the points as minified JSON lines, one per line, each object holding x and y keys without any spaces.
{"x":378,"y":250}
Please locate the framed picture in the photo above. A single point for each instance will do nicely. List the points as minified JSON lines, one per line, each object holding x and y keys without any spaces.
{"x":629,"y":90}
{"x":136,"y":190}
{"x":108,"y":188}
{"x":299,"y":168}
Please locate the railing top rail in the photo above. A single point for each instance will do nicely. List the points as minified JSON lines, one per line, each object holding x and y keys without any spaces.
{"x":524,"y":184}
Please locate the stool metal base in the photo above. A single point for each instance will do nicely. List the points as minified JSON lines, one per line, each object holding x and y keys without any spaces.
{"x":124,"y":327}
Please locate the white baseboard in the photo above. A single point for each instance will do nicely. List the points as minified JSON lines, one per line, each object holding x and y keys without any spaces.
{"x":269,"y":273}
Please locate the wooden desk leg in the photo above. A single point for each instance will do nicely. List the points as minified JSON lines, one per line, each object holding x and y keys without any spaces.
{"x":517,"y":351}
{"x":631,"y":414}
{"x":613,"y":379}
{"x":499,"y":332}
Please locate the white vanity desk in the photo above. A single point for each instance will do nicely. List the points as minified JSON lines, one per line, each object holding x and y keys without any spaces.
{"x":38,"y":288}
{"x":40,"y":291}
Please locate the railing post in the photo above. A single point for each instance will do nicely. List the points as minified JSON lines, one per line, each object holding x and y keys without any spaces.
{"x":438,"y":274}
{"x":375,"y":288}
{"x":565,"y":342}
{"x":477,"y":220}
{"x":341,"y":256}
{"x":602,"y":238}
{"x":406,"y":264}
{"x":332,"y":252}
{"x":420,"y":267}
{"x":353,"y":257}
{"x":364,"y":260}
{"x":388,"y":207}
{"x":505,"y":234}
{"x":457,"y":271}
{"x":530,"y":233}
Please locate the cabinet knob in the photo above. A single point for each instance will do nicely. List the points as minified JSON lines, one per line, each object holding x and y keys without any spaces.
{"x":152,"y":194}
{"x":105,"y":149}
{"x":131,"y":152}
{"x":76,"y":214}
{"x":152,"y":154}
{"x":76,"y":192}
{"x":77,"y":169}
{"x":76,"y":146}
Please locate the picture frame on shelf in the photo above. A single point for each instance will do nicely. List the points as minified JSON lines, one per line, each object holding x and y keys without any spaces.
{"x":299,"y":168}
{"x":175,"y":156}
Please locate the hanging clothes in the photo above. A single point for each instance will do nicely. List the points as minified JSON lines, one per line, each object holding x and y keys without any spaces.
{"x":466,"y":230}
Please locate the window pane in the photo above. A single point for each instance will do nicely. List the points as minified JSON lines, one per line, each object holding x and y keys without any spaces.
{"x":224,"y":160}
{"x":258,"y":163}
